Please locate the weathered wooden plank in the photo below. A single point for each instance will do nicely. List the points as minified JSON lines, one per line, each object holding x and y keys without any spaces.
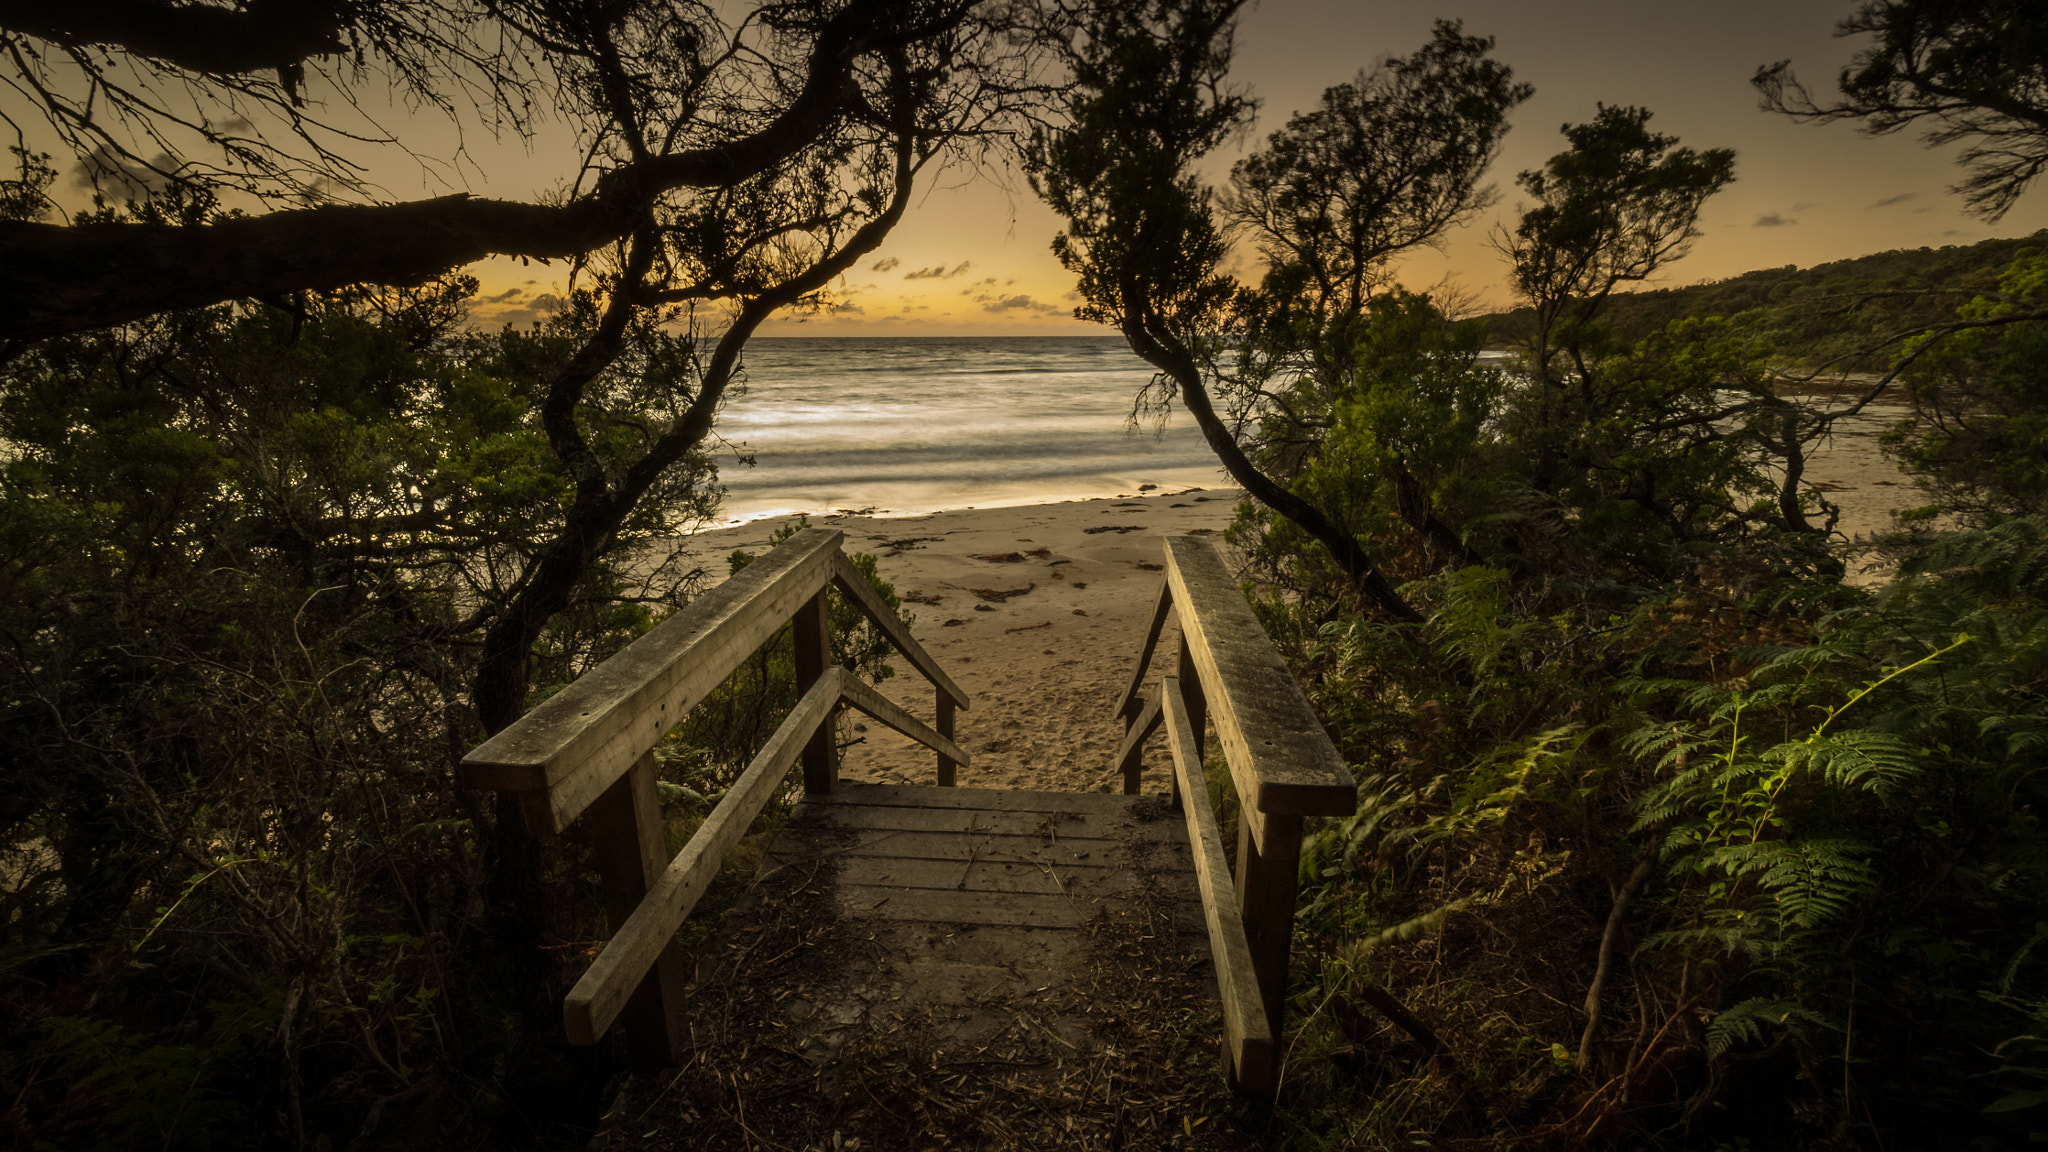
{"x":881,"y":708}
{"x":1130,"y":756}
{"x":1049,"y":878}
{"x":611,"y":978}
{"x":948,"y":768}
{"x":862,"y":595}
{"x":1050,"y":827}
{"x":1267,"y":869}
{"x":576,"y":742}
{"x":953,"y":846}
{"x":979,"y":799}
{"x":625,"y":828}
{"x":811,"y":645}
{"x":1162,"y":604}
{"x":1280,"y":757}
{"x":1248,"y":1037}
{"x":1011,"y":910}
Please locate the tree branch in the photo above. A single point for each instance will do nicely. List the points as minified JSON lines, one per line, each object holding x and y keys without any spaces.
{"x":260,"y":36}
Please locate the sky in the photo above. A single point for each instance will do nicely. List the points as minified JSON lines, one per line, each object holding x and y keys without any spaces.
{"x":972,"y":255}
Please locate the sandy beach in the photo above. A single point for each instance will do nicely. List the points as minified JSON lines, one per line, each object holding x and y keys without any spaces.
{"x":1037,"y":611}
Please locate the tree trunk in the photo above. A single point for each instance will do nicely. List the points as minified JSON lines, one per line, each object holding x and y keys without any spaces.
{"x":1164,"y":355}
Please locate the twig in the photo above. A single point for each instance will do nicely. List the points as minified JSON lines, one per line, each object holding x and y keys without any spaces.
{"x":1607,"y":938}
{"x":1383,"y":1001}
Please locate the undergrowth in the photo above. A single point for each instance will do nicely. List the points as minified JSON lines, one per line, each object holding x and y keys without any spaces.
{"x":1739,"y":867}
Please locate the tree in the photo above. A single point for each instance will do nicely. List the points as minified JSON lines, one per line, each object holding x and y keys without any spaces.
{"x":1617,"y":206}
{"x":1970,"y":71}
{"x":724,"y":173}
{"x":1977,"y":438}
{"x":669,"y":105}
{"x":1387,"y":163}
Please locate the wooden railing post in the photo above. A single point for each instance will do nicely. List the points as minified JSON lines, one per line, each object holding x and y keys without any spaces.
{"x":813,"y":634}
{"x":1268,"y":862}
{"x":947,"y":768}
{"x":1197,"y":706}
{"x":630,"y":839}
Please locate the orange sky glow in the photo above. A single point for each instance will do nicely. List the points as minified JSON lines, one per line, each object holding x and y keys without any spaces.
{"x":972,"y":257}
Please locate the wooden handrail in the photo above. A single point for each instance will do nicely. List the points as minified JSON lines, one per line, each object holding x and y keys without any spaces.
{"x":1282,"y":764}
{"x":1130,"y":755}
{"x":1281,"y":759}
{"x":1162,"y":607}
{"x":588,"y":748}
{"x":848,"y":580}
{"x":883,"y":709}
{"x":597,"y":998}
{"x":575,"y":743}
{"x":1247,"y":1036}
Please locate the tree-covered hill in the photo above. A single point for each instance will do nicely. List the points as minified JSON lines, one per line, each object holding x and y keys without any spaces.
{"x":1841,"y":308}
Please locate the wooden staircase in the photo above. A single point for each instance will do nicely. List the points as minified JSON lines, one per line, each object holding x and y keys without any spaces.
{"x":998,"y":926}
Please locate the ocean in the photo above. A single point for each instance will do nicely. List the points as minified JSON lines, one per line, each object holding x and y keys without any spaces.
{"x":902,"y":426}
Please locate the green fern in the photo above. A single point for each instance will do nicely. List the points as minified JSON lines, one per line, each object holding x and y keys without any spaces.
{"x":1874,"y":762}
{"x":1744,"y":1024}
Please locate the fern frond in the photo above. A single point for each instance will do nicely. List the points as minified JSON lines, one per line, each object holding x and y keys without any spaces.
{"x":1745,"y":1022}
{"x":1874,"y":762}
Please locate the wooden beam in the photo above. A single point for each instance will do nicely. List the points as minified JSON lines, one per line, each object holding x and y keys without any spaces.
{"x":949,"y":768}
{"x":811,"y":637}
{"x":1280,"y":757}
{"x":576,"y":742}
{"x":1197,"y":705}
{"x":862,"y":594}
{"x":1268,"y":867}
{"x":605,"y":987}
{"x":1247,"y":1036}
{"x":1162,"y":604}
{"x":630,"y":841}
{"x":1130,"y":756}
{"x":886,"y":710}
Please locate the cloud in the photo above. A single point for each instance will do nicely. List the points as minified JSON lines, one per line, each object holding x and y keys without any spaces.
{"x":1773,"y":220}
{"x":1901,"y":198}
{"x":531,"y":311}
{"x":1805,"y":205}
{"x":504,"y":297}
{"x":1022,"y":303}
{"x":939,"y":271}
{"x":845,"y":307}
{"x":887,"y":264}
{"x":105,"y":170}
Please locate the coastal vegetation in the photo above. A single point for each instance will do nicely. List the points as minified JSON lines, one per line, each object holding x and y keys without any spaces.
{"x":1667,"y":836}
{"x":282,"y":544}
